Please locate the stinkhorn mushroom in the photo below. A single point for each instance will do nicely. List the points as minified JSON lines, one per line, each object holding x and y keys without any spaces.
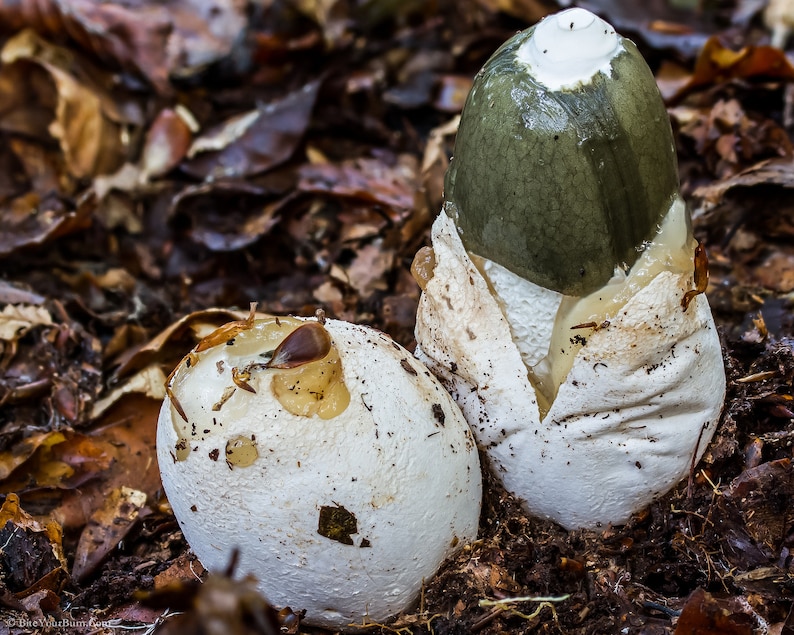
{"x":562,"y":296}
{"x":327,"y":455}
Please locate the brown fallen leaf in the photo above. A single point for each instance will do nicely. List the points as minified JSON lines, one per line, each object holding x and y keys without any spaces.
{"x":728,"y":138}
{"x":175,"y":38}
{"x":254,"y":141}
{"x":149,"y":381}
{"x":366,"y":274}
{"x":16,"y":320}
{"x":20,"y":452}
{"x":390,"y":183}
{"x":127,"y":431}
{"x":170,"y":344}
{"x":108,"y":526}
{"x":776,"y":272}
{"x":167,"y":142}
{"x":31,"y":221}
{"x":226,"y":215}
{"x":37,"y":166}
{"x":718,"y":64}
{"x":703,"y":614}
{"x":762,"y":496}
{"x":184,"y":568}
{"x":62,"y":460}
{"x":41,"y":603}
{"x":85,"y":118}
{"x":32,"y":557}
{"x":768,"y":172}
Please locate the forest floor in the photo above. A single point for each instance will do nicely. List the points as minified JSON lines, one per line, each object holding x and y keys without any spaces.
{"x":164,"y":163}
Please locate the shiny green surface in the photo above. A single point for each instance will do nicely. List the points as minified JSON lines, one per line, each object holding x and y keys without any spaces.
{"x":561,"y":187}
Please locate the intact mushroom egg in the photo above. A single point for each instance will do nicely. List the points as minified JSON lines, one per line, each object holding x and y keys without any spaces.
{"x":326,"y":454}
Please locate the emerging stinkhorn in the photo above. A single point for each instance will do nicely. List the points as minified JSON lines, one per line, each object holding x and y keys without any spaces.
{"x":561,"y":298}
{"x":327,"y":455}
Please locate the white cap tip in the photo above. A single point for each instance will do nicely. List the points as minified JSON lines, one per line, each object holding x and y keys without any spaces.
{"x":569,"y":48}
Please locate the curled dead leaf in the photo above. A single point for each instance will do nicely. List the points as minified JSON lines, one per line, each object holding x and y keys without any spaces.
{"x":717,"y":64}
{"x":36,"y":221}
{"x":390,"y":184}
{"x":17,"y":320}
{"x":226,"y":215}
{"x":85,"y":119}
{"x":107,"y":527}
{"x":167,"y":142}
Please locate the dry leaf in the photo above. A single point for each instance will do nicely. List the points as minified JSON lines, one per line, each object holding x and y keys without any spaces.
{"x":373,"y":181}
{"x":16,"y":320}
{"x":150,"y":381}
{"x":167,"y":143}
{"x":159,"y":40}
{"x":20,"y":452}
{"x":705,"y":615}
{"x":36,"y":221}
{"x":32,"y":557}
{"x":717,"y":64}
{"x":183,"y":334}
{"x":63,"y":460}
{"x":769,"y":172}
{"x":108,"y":526}
{"x":226,"y":215}
{"x":366,"y":274}
{"x":90,"y":139}
{"x":254,"y":141}
{"x":127,"y":432}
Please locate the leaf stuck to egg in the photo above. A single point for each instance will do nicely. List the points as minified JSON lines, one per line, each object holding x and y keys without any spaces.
{"x":306,"y":344}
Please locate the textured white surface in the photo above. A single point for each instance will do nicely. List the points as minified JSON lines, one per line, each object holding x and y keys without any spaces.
{"x":400,"y":458}
{"x":639,"y":405}
{"x":530,"y":311}
{"x":568,"y":48}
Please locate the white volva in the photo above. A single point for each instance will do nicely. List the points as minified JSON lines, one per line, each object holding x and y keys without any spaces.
{"x":343,"y":514}
{"x":628,"y":420}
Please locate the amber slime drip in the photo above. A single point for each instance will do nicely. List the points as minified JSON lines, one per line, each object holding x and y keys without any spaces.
{"x":314,"y":388}
{"x":294,"y":358}
{"x":423,"y":265}
{"x":577,"y":318}
{"x":241,"y":452}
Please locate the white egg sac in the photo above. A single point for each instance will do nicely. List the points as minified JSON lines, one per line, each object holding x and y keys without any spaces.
{"x":626,"y":423}
{"x":344,"y":475}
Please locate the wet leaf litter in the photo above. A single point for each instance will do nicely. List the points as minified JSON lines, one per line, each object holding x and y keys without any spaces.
{"x":113,"y":255}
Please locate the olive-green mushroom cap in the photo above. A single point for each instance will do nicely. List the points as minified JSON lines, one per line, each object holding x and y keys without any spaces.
{"x":562,"y":186}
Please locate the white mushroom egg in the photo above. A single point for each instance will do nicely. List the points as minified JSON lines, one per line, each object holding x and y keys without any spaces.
{"x":334,"y":461}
